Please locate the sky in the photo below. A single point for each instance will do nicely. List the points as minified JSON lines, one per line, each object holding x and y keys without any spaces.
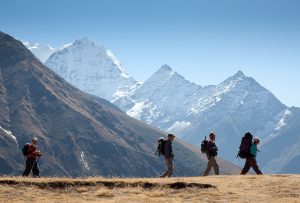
{"x":206,"y":41}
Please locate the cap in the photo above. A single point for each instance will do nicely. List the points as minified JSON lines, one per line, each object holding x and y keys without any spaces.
{"x":35,"y":139}
{"x":171,"y":135}
{"x":256,"y":139}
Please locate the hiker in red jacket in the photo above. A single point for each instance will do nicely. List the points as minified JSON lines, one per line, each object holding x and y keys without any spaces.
{"x":32,"y":154}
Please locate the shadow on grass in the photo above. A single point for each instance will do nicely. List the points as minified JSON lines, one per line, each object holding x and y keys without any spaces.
{"x":107,"y":184}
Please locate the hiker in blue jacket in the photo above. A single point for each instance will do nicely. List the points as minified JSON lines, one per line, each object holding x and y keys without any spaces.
{"x":251,"y":160}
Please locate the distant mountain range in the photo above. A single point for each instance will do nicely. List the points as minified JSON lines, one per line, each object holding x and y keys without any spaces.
{"x":79,"y":134}
{"x":170,"y":102}
{"x":41,"y":51}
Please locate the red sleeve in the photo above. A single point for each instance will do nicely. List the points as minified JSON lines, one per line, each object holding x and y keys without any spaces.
{"x":32,"y":151}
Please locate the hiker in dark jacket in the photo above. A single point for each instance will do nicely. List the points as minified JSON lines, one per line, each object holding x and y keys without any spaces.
{"x":251,"y":160}
{"x":211,"y":155}
{"x":32,"y":159}
{"x":169,"y":155}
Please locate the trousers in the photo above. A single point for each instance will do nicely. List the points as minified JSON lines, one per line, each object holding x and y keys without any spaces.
{"x":212,"y":162}
{"x":251,"y":162}
{"x":31,"y":165}
{"x":170,"y":168}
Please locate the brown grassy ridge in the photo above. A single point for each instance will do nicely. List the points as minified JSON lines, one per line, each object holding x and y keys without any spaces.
{"x":266,"y":188}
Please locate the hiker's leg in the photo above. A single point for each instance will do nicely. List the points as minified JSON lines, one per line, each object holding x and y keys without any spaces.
{"x":35,"y":169}
{"x":170,"y":167}
{"x":165,"y":173}
{"x":169,"y":171}
{"x":29,"y":165}
{"x":215,"y":165}
{"x":255,"y":167}
{"x":246,"y":167}
{"x":209,"y":166}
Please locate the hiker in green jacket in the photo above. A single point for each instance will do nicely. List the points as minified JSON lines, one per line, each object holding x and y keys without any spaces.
{"x":251,"y":160}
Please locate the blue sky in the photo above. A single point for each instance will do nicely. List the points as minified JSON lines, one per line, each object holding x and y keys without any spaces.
{"x":204,"y":40}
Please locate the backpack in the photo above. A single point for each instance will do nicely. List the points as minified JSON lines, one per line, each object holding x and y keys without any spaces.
{"x":161,"y":146}
{"x":25,"y":149}
{"x":204,"y":145}
{"x":244,"y":149}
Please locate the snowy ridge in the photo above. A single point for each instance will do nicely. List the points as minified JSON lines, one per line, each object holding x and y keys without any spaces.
{"x":91,"y":68}
{"x":282,"y":122}
{"x":83,"y":161}
{"x":41,"y":51}
{"x":157,"y":95}
{"x":239,"y":104}
{"x":9,"y":133}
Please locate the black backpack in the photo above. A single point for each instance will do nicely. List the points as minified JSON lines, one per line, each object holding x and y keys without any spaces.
{"x":25,"y":149}
{"x":161,"y":146}
{"x":244,"y":149}
{"x":204,"y":145}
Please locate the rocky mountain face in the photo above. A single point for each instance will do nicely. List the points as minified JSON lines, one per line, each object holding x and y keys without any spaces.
{"x":280,"y":151}
{"x":79,"y":134}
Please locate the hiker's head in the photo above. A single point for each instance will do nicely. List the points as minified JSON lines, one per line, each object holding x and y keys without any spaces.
{"x":34,"y":140}
{"x":256,"y":140}
{"x":212,"y":136}
{"x":171,"y":137}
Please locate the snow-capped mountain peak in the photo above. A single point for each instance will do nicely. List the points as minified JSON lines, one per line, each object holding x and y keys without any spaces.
{"x":164,"y":72}
{"x":83,"y":41}
{"x":166,"y":68}
{"x":87,"y":45}
{"x":92,"y":68}
{"x":239,"y":75}
{"x":236,"y":78}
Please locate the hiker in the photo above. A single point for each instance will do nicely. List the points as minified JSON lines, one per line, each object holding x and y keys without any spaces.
{"x":211,"y":155}
{"x":251,"y":159}
{"x":169,"y":155}
{"x":31,"y":154}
